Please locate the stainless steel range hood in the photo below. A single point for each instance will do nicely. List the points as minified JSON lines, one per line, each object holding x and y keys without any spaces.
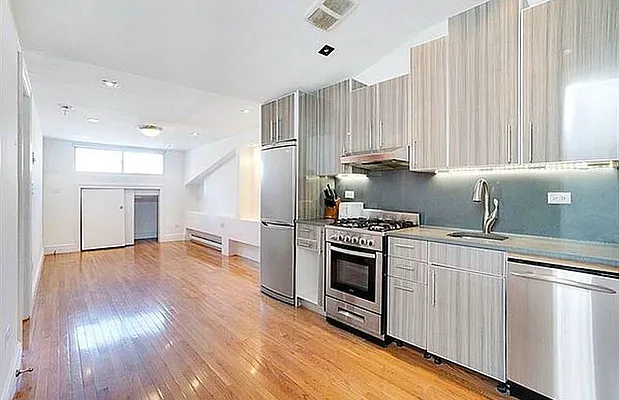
{"x":386,"y":160}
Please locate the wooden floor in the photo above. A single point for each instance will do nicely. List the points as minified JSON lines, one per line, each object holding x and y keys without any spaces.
{"x":177,"y":321}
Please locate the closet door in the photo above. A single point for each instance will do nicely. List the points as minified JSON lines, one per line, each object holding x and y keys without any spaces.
{"x":103,"y":218}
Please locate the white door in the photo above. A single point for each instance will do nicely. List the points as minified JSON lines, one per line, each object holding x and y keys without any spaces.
{"x":103,"y":218}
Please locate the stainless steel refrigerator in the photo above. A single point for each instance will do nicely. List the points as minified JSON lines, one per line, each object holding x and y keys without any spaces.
{"x":278,"y":214}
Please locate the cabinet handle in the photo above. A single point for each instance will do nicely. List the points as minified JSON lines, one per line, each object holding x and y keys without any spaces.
{"x":509,"y":143}
{"x":531,"y":142}
{"x":279,"y":129}
{"x":565,"y":282}
{"x":351,"y":315}
{"x":380,"y":134}
{"x":405,"y":268}
{"x":370,"y":136}
{"x":307,"y":230}
{"x":349,"y":139}
{"x":403,"y":289}
{"x":405,"y":246}
{"x":271,"y":131}
{"x":433,"y":288}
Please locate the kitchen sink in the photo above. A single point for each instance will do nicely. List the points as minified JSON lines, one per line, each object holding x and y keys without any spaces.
{"x":477,"y":235}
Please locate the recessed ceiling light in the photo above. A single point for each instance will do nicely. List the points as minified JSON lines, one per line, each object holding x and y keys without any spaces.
{"x":110,"y":83}
{"x":195,"y":134}
{"x":245,"y":111}
{"x":150,"y":130}
{"x":93,"y":120}
{"x":65,"y":109}
{"x":326,"y":50}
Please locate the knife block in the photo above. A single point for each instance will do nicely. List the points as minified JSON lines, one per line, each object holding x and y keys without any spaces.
{"x":332,"y":212}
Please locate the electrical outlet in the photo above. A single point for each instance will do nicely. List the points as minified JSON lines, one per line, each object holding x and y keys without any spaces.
{"x":349,"y":194}
{"x":559,"y":198}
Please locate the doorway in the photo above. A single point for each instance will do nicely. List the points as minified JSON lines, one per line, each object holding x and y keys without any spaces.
{"x":117,"y":217}
{"x":24,"y":190}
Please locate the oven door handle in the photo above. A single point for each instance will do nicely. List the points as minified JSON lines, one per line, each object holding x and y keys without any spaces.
{"x":352,"y":252}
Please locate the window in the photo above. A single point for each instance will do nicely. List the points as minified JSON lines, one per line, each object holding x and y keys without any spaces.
{"x":143,"y":163}
{"x":118,"y":162}
{"x":98,"y":160}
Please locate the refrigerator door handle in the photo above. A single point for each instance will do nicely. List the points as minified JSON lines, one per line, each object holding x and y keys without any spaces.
{"x":276,"y":224}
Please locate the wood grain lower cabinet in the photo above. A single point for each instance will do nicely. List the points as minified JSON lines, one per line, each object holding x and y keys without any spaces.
{"x":406,"y":311}
{"x":466,"y":319}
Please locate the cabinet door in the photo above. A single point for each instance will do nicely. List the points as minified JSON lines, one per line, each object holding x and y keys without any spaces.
{"x":334,"y":108}
{"x":268,"y":117}
{"x":466,"y":320}
{"x":429,"y":105}
{"x":362,"y":116}
{"x":483,"y":85}
{"x":571,"y":81}
{"x":285,"y":118}
{"x":393,"y":107}
{"x":406,"y":317}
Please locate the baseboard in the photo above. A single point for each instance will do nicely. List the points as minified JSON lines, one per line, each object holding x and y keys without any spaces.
{"x":173,"y":237}
{"x":36,"y":276}
{"x":10,"y":384}
{"x":61,"y":248}
{"x":244,"y":250}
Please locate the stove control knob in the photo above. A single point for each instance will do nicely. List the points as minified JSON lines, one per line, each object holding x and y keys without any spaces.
{"x":340,"y":238}
{"x":371,"y":243}
{"x":355,"y":240}
{"x":363,"y":242}
{"x":347,"y":239}
{"x":334,"y":237}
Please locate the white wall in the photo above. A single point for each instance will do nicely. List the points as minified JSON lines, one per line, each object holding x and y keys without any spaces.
{"x":37,"y":199}
{"x":9,"y":326}
{"x":61,"y":194}
{"x":398,"y":61}
{"x":214,"y":194}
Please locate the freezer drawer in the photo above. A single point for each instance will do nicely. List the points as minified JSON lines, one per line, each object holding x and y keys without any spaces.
{"x":279,"y":184}
{"x":563,"y":332}
{"x":277,"y":260}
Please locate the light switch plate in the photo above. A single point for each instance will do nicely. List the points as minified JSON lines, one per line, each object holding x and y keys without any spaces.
{"x":559,"y":198}
{"x":349,"y":194}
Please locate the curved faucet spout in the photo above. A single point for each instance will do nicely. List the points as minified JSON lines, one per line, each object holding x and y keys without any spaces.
{"x":481,"y":193}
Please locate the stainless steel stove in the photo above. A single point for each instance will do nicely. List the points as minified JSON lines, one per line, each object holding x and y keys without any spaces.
{"x":355,"y":284}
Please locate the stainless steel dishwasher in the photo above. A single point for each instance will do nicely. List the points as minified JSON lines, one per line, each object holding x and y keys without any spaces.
{"x":563,"y":331}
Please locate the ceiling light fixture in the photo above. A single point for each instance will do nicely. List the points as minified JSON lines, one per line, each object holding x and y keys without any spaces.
{"x":245,"y":111}
{"x":150,"y":130}
{"x":195,"y":134}
{"x":65,"y":109}
{"x":93,"y":120}
{"x":326,"y":50}
{"x":110,"y":83}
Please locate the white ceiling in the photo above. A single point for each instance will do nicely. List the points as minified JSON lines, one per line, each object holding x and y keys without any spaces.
{"x":139,"y":100}
{"x":248,"y":49}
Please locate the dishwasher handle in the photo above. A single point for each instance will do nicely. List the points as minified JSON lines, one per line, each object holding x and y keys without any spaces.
{"x":564,"y":282}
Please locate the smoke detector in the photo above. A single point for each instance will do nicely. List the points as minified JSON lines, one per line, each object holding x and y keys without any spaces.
{"x":328,"y":13}
{"x":65,"y":109}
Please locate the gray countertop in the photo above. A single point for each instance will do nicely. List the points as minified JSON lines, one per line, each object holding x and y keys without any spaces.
{"x":316,"y":222}
{"x":585,"y":252}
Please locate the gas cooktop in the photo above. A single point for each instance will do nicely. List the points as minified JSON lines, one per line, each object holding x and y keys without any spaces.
{"x":375,"y":224}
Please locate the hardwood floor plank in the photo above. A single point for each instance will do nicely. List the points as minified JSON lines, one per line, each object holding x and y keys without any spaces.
{"x":180,"y":321}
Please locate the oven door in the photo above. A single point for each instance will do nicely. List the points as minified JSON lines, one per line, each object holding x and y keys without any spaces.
{"x":355,"y":276}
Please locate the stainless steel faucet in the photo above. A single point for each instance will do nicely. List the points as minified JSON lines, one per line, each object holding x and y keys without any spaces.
{"x":481,"y":193}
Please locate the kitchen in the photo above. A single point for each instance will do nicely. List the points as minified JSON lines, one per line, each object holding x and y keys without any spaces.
{"x":477,"y":199}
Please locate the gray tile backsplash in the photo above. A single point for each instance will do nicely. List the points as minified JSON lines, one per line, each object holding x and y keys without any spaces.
{"x":445,"y":200}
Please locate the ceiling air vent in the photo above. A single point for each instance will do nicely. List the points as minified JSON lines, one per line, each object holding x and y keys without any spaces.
{"x":327,"y":13}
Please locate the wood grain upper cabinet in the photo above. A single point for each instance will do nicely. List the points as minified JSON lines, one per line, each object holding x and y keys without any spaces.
{"x":268,"y":118}
{"x":570,"y":81}
{"x":429,"y":105}
{"x":483,"y":85}
{"x":334,"y":125}
{"x":363,"y":133}
{"x":285,"y":118}
{"x":393,"y":105}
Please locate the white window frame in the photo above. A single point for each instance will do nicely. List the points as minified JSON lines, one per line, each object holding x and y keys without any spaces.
{"x":122,"y":151}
